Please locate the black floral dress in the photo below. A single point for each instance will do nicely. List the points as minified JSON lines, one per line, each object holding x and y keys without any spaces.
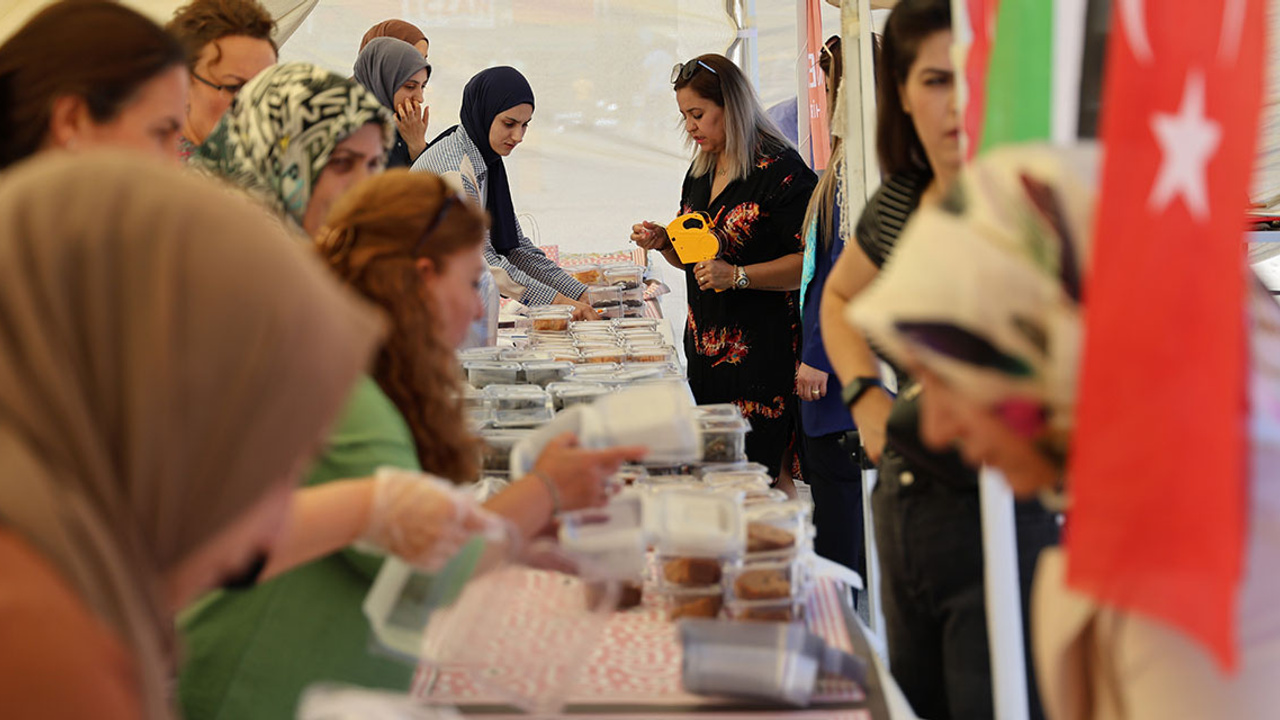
{"x":741,"y":344}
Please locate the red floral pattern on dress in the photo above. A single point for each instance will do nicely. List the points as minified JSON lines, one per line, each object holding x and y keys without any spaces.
{"x":772,"y":410}
{"x":727,"y":345}
{"x":735,"y":226}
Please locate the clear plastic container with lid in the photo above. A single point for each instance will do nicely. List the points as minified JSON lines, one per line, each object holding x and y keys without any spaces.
{"x":784,"y":610}
{"x":654,"y":354}
{"x":587,"y":273}
{"x":774,"y":527}
{"x":483,"y":373}
{"x":748,"y":578}
{"x":550,"y":318}
{"x":496,"y":445}
{"x":596,"y":356}
{"x":724,"y":439}
{"x":629,"y":374}
{"x":545,"y":372}
{"x":480,"y":353}
{"x":626,"y":277}
{"x":745,"y":466}
{"x":594,"y":372}
{"x":635,"y":324}
{"x":521,"y":355}
{"x":519,"y":405}
{"x":716,"y":478}
{"x":475,"y":406}
{"x":604,"y":299}
{"x":718,"y":410}
{"x":694,"y":602}
{"x":591,"y":327}
{"x":608,"y":543}
{"x":692,"y":523}
{"x":567,"y":394}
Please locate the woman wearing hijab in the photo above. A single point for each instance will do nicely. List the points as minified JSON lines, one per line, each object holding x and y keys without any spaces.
{"x":297,"y":138}
{"x":396,"y":74}
{"x":497,"y":105}
{"x":400,"y":30}
{"x":173,"y":364}
{"x":984,"y":299}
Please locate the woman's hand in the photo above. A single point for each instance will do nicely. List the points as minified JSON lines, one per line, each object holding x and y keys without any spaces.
{"x":579,"y":475}
{"x":714,"y":274}
{"x":581,"y":310}
{"x":811,"y":383}
{"x":650,"y":236}
{"x":421,"y":519}
{"x":411,"y":121}
{"x":871,"y":417}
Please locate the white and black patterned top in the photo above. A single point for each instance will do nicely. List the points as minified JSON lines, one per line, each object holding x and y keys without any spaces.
{"x":887,"y":211}
{"x":457,"y":159}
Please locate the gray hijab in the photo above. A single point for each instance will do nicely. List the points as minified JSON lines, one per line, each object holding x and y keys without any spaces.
{"x":384,"y":65}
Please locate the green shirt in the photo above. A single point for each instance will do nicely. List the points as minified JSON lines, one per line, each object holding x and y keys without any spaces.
{"x":250,"y":653}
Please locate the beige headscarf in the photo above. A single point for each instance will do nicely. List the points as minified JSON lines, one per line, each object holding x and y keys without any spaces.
{"x":167,"y":355}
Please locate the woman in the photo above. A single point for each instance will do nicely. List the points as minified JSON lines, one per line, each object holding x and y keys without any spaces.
{"x":119,"y":503}
{"x":228,"y":42}
{"x":926,"y":512}
{"x":1094,"y":660}
{"x":397,"y":74}
{"x":307,"y":626}
{"x":828,"y":443}
{"x":743,"y":327}
{"x":497,"y":105}
{"x":337,"y":134}
{"x":79,"y":75}
{"x":400,"y":30}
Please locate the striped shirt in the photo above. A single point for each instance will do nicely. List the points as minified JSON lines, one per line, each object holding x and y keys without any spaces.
{"x":887,"y":212}
{"x":457,"y":159}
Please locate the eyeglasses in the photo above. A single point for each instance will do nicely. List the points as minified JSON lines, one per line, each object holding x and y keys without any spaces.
{"x":231,"y":90}
{"x":687,"y":70}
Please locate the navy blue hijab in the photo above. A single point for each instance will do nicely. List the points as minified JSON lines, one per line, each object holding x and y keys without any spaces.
{"x":488,"y":93}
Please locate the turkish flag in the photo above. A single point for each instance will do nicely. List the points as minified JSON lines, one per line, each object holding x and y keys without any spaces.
{"x":1158,"y":468}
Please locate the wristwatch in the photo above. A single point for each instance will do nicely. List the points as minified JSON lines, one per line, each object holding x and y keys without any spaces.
{"x":857,"y":388}
{"x":740,"y":279}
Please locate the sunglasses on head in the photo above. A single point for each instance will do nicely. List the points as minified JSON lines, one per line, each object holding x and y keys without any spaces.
{"x":688,"y":70}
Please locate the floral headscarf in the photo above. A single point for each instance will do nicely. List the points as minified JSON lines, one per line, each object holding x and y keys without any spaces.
{"x":984,"y":289}
{"x":280,"y":131}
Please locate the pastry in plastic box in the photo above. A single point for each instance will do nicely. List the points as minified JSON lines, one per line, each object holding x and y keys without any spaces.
{"x":611,"y":356}
{"x":724,"y":439}
{"x":567,"y":394}
{"x":483,"y":373}
{"x":636,"y":324}
{"x":545,"y":372}
{"x":652,"y":354}
{"x":784,"y":610}
{"x":550,"y":318}
{"x":519,"y":405}
{"x":750,"y":580}
{"x":586,"y":273}
{"x":694,"y":603}
{"x":496,"y":444}
{"x":625,"y":277}
{"x":479,"y":353}
{"x":776,"y":526}
{"x":690,"y":570}
{"x":605,"y":300}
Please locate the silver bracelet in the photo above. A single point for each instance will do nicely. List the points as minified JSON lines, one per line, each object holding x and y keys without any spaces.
{"x":551,"y":490}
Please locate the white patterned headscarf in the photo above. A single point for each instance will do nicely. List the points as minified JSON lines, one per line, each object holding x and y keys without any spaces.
{"x":280,"y":131}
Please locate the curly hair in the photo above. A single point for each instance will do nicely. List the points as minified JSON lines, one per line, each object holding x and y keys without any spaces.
{"x":201,"y":22}
{"x":372,"y":239}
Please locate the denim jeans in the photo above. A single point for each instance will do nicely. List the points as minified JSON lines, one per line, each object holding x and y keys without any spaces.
{"x":929,"y":540}
{"x":829,"y":467}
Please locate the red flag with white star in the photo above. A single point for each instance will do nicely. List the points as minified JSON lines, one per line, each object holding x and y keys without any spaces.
{"x":1158,"y":468}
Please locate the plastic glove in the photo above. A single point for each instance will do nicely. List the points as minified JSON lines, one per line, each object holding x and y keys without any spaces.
{"x":424,"y":520}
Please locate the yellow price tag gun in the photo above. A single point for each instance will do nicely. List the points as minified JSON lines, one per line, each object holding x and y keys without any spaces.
{"x":692,"y":238}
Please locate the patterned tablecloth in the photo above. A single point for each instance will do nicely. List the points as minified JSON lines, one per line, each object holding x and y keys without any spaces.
{"x":525,"y":630}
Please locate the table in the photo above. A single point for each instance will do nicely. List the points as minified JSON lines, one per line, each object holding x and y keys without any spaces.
{"x":634,"y":662}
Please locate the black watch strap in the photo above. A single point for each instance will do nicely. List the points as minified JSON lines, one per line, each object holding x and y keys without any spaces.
{"x":858,"y":387}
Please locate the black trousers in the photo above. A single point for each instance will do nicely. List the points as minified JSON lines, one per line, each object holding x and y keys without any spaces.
{"x":830,"y":466}
{"x":929,"y":541}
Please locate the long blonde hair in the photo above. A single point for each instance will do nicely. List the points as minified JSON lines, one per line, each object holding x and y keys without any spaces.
{"x":749,"y":133}
{"x":372,"y":239}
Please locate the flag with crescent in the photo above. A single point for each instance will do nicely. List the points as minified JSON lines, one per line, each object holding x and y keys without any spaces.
{"x":1158,"y":469}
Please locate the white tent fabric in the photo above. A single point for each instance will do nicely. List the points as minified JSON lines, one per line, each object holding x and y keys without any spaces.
{"x":605,"y":146}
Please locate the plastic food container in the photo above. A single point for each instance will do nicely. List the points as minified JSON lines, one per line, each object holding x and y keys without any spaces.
{"x":756,"y":496}
{"x":704,"y":602}
{"x":776,"y":526}
{"x":523,"y":355}
{"x":519,"y":405}
{"x":689,"y":571}
{"x":475,"y":406}
{"x":630,"y":374}
{"x":786,"y":610}
{"x":550,"y":318}
{"x":625,"y":277}
{"x":603,"y":299}
{"x":708,"y":468}
{"x":718,"y":410}
{"x":630,"y":324}
{"x":567,"y":394}
{"x":684,"y":523}
{"x":594,"y":372}
{"x":586,"y":273}
{"x":495,"y":454}
{"x":770,"y":580}
{"x":633,"y":302}
{"x":612,"y":356}
{"x":724,"y":439}
{"x":742,"y":478}
{"x":651,"y":355}
{"x":479,"y":353}
{"x":592,"y":327}
{"x":483,"y":373}
{"x":608,"y":543}
{"x":545,"y":372}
